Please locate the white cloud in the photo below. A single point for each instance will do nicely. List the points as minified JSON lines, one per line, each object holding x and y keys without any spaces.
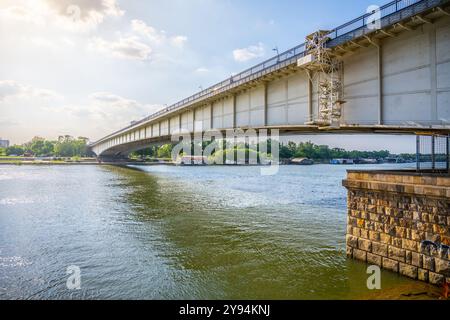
{"x":43,"y":42}
{"x":249,"y":53}
{"x":118,"y":106}
{"x":88,"y":9}
{"x":10,"y":89}
{"x":155,"y":36}
{"x":8,"y":123}
{"x":202,"y":70}
{"x":68,"y":42}
{"x":151,"y":33}
{"x":124,"y":48}
{"x":75,"y":15}
{"x":24,"y":13}
{"x":178,"y":41}
{"x":134,"y":47}
{"x":113,"y":100}
{"x":51,"y":43}
{"x":109,"y":110}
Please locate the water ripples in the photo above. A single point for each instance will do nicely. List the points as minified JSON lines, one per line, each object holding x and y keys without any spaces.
{"x":13,"y":262}
{"x":177,"y":233}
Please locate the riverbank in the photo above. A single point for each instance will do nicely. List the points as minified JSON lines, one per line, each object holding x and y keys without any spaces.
{"x":71,"y":161}
{"x":63,"y":163}
{"x":126,"y":163}
{"x":154,"y":162}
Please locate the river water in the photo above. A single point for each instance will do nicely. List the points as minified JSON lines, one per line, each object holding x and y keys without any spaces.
{"x":163,"y":232}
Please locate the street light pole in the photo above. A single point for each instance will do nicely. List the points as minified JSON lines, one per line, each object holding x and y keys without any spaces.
{"x":278,"y":53}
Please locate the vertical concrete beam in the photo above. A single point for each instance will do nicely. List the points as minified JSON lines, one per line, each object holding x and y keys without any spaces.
{"x":234,"y":110}
{"x":193,"y":120}
{"x":286,"y":95}
{"x":211,"y":111}
{"x":380,"y":83}
{"x":377,"y":43}
{"x":433,"y":73}
{"x":310,"y":97}
{"x":249,"y":107}
{"x":266,"y":104}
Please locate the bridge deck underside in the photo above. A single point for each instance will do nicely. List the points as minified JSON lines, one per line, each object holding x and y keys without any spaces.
{"x":124,"y":149}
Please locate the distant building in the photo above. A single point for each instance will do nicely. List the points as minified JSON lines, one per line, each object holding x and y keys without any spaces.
{"x":342,"y":161}
{"x":302,"y":161}
{"x":4,"y":143}
{"x":365,"y":161}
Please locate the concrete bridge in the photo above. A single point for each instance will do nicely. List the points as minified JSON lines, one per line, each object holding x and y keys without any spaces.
{"x":385,"y":72}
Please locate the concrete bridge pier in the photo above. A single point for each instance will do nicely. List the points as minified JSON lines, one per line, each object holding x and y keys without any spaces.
{"x":400,"y":221}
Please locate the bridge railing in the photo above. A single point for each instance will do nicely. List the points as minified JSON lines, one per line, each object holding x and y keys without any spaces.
{"x":391,"y":13}
{"x":289,"y":54}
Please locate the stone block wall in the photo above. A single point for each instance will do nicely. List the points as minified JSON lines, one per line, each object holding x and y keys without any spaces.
{"x":400,"y":221}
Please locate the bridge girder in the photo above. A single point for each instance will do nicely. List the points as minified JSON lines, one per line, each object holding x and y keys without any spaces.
{"x":417,"y":24}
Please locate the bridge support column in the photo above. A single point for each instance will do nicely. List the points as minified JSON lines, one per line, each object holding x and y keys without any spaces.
{"x":378,"y":46}
{"x":400,"y":221}
{"x":211,"y":115}
{"x":310,"y":97}
{"x":266,"y":105}
{"x":380,"y":83}
{"x":433,"y":75}
{"x":234,"y":111}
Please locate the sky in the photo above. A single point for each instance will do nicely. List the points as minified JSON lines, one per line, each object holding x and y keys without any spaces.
{"x":90,"y":67}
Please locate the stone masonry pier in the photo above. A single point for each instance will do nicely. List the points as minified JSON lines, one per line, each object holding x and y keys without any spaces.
{"x":400,"y":221}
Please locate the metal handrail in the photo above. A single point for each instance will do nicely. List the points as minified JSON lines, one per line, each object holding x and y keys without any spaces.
{"x":279,"y":61}
{"x":359,"y":26}
{"x":385,"y":10}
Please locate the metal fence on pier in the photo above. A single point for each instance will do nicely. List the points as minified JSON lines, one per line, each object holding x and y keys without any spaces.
{"x":433,"y":153}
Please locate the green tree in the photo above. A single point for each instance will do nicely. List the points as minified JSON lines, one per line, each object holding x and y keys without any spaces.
{"x":165,"y":151}
{"x":36,"y":145}
{"x":286,"y":152}
{"x":322,"y":152}
{"x":41,"y":147}
{"x":306,"y":150}
{"x":147,"y":152}
{"x":67,"y":146}
{"x":17,"y":150}
{"x":64,"y":147}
